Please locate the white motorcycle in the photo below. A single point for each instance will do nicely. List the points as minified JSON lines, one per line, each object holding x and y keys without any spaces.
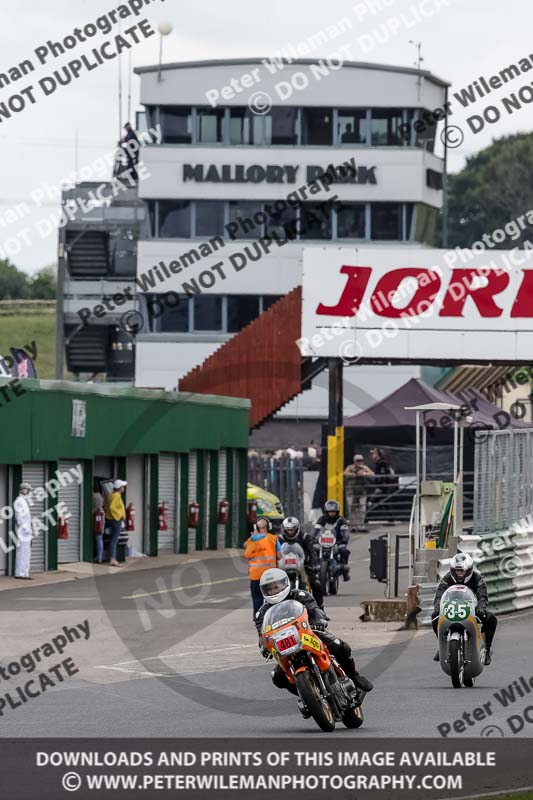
{"x":292,"y":561}
{"x":461,"y":643}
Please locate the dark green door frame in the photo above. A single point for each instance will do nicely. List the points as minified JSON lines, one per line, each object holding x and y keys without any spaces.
{"x":212,"y":537}
{"x":153,"y":505}
{"x":87,"y":505}
{"x":183,"y":541}
{"x":229,"y":496}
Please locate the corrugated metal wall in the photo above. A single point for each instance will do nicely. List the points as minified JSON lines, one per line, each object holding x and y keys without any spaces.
{"x":262,"y":362}
{"x":222,"y":484}
{"x":167,"y":493}
{"x":35,"y":474}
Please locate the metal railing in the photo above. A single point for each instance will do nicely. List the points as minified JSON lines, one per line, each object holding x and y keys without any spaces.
{"x":503,"y":479}
{"x":283,"y":478}
{"x":393,"y":502}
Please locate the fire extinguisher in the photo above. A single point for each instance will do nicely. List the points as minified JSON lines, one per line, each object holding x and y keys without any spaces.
{"x":223,"y":512}
{"x":98,"y":521}
{"x":62,"y":528}
{"x":163,"y":516}
{"x":194,"y":514}
{"x":130,"y":517}
{"x":252,"y":511}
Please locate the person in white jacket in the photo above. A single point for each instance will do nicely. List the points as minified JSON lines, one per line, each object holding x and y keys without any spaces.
{"x":24,"y":532}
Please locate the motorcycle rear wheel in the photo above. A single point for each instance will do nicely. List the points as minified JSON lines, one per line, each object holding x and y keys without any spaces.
{"x":318,"y":707}
{"x":455,"y":658}
{"x":334,"y":584}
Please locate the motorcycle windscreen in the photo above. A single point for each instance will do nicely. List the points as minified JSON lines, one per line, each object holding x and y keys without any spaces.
{"x":457,"y":603}
{"x":282,"y":614}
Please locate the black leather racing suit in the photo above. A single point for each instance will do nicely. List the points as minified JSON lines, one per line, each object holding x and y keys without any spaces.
{"x":305,"y":540}
{"x":337,"y":647}
{"x":478,"y":586}
{"x":341,"y":530}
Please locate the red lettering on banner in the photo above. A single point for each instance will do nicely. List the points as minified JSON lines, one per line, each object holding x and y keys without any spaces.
{"x":461,"y":287}
{"x":523,"y":304}
{"x":352,"y":295}
{"x":428,"y":286}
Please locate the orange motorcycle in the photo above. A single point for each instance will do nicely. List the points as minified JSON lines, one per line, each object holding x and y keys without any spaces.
{"x":322,"y":685}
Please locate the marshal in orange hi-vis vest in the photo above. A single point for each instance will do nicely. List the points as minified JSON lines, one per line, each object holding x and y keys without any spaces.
{"x":261,"y":555}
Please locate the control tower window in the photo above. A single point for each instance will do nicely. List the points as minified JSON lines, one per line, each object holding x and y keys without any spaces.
{"x":317,"y":126}
{"x":385,"y":127}
{"x":210,"y":125}
{"x":176,"y":124}
{"x":174,"y":219}
{"x":352,"y":126}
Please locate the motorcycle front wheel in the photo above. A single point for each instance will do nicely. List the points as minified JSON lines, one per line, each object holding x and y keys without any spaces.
{"x":334,"y":584}
{"x":318,"y":707}
{"x":455,"y":659}
{"x":324,"y":577}
{"x":353,"y":717}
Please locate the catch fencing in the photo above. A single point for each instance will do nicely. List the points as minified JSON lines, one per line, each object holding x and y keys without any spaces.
{"x":282,"y":477}
{"x":503,"y":479}
{"x":502,"y":541}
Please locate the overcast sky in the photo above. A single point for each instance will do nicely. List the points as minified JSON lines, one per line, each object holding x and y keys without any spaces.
{"x":460,"y":42}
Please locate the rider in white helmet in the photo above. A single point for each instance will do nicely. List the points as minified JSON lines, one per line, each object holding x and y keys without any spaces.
{"x":292,"y":533}
{"x":462,"y":572}
{"x":275,"y":587}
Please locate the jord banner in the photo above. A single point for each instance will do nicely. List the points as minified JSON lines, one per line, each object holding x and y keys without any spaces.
{"x":418,"y":305}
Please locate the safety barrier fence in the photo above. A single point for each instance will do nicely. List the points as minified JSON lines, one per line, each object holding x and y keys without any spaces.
{"x":504,"y":558}
{"x":283,"y":478}
{"x":503,"y":479}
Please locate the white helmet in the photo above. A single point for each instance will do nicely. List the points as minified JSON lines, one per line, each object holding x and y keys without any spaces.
{"x":274,"y":585}
{"x":463,"y":562}
{"x":291,"y":527}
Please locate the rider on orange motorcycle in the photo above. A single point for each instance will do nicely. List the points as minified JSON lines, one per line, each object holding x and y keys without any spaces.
{"x":275,"y":587}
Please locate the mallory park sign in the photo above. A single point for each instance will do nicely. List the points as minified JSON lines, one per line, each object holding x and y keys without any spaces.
{"x":274,"y":173}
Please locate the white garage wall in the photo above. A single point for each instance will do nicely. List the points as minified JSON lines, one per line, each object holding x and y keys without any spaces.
{"x":5,"y":526}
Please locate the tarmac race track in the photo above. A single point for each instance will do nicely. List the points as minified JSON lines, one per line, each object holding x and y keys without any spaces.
{"x":172,"y":652}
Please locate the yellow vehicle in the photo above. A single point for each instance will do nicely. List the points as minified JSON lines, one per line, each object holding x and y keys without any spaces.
{"x":268,"y":505}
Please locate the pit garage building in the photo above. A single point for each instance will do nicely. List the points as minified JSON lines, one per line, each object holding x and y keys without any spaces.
{"x":177,"y":449}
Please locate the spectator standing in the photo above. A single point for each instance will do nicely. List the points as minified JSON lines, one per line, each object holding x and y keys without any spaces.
{"x":98,"y":523}
{"x":24,"y":532}
{"x":262,"y":551}
{"x":312,"y":449}
{"x":116,"y":515}
{"x":356,"y":481}
{"x":131,"y":145}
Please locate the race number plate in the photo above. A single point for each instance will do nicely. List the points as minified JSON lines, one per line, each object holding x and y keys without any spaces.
{"x":285,"y":644}
{"x":456,"y":611}
{"x":311,"y":641}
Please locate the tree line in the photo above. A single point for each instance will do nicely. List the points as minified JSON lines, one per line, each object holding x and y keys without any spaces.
{"x":18,"y":285}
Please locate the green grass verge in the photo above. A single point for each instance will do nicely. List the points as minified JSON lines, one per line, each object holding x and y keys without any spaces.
{"x":21,"y":329}
{"x":522,"y":796}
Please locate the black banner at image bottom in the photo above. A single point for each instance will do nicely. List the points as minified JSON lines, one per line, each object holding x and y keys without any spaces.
{"x":311,"y":768}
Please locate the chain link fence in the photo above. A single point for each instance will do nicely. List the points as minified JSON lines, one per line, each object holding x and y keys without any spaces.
{"x":503,"y":479}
